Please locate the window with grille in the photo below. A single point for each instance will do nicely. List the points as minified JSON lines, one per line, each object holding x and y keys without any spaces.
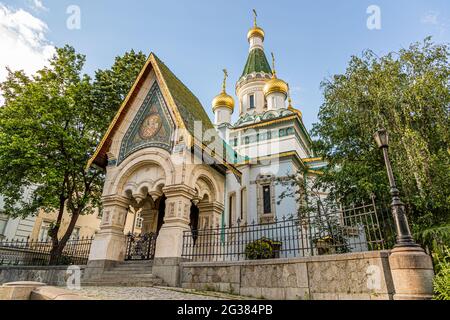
{"x":266,"y":200}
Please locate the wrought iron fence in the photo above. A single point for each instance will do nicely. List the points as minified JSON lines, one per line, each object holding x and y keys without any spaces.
{"x":37,"y":253}
{"x":140,"y":247}
{"x":366,"y":227}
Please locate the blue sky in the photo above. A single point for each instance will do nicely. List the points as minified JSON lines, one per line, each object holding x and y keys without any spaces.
{"x":312,"y":40}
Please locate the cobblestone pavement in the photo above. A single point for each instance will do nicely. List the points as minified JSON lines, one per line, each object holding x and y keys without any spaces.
{"x":150,"y":293}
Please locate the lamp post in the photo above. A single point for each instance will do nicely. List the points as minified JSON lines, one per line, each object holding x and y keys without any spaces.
{"x":404,"y":237}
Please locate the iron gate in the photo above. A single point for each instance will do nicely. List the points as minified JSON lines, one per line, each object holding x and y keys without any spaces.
{"x":140,"y":247}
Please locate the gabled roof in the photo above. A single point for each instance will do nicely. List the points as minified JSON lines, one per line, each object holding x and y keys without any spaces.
{"x":187,"y":103}
{"x":184,"y":104}
{"x":256,"y":62}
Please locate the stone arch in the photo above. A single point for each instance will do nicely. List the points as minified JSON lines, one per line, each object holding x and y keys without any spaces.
{"x":203,"y":180}
{"x":154,"y":166}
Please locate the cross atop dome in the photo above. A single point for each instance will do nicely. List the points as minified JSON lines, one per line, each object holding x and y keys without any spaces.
{"x":255,"y":31}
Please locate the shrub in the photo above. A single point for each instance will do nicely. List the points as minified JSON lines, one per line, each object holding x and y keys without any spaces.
{"x":441,"y":282}
{"x":263,"y":248}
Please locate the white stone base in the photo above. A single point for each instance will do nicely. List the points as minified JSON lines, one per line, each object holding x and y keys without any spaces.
{"x":108,"y":246}
{"x":170,"y":240}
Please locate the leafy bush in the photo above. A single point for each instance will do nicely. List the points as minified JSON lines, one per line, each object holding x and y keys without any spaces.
{"x":263,"y":248}
{"x":435,"y":239}
{"x":442,"y":280}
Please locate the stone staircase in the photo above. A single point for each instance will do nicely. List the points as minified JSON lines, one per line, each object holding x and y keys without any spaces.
{"x":126,"y":274}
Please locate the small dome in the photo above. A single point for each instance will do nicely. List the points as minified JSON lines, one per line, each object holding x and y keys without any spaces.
{"x":255,"y":32}
{"x":223,"y":100}
{"x":275,"y":85}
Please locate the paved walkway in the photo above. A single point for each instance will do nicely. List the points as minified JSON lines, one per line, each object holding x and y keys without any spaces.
{"x":150,"y":293}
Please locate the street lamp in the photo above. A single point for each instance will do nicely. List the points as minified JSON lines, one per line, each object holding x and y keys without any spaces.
{"x":404,"y":237}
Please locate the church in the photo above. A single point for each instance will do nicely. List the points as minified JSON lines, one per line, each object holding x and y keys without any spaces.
{"x":167,"y":162}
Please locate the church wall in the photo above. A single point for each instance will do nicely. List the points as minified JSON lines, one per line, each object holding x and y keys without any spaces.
{"x":362,"y":276}
{"x":134,"y":108}
{"x":250,"y":175}
{"x":284,"y":139}
{"x":254,"y":87}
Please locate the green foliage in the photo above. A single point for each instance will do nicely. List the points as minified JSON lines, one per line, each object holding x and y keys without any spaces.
{"x":263,"y":248}
{"x":50,"y":125}
{"x":408,"y":94}
{"x":321,"y":214}
{"x":441,"y":282}
{"x":112,"y":85}
{"x":435,"y":239}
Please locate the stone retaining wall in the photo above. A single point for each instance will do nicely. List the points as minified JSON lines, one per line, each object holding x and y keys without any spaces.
{"x":364,"y":275}
{"x":52,"y":275}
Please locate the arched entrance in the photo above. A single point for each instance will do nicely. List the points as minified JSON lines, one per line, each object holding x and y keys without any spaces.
{"x":148,"y":218}
{"x":161,"y":212}
{"x":194,"y":221}
{"x":172,"y":200}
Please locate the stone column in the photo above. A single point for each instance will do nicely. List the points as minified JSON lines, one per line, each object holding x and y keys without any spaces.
{"x":210,"y":214}
{"x":109,"y":244}
{"x":412,"y":273}
{"x":169,"y":244}
{"x":148,"y":220}
{"x":210,"y":218}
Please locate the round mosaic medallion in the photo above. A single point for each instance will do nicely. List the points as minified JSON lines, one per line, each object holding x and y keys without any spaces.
{"x":150,"y":126}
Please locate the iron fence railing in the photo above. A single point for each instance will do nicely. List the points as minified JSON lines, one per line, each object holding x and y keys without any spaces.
{"x":37,"y":253}
{"x":140,"y":246}
{"x":366,"y":227}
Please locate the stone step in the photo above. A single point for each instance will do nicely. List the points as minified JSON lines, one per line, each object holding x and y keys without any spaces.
{"x":135,"y":262}
{"x":136,"y":273}
{"x":97,"y":283}
{"x":113,"y":275}
{"x":131,"y":269}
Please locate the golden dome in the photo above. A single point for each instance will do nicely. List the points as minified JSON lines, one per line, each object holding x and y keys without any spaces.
{"x":223,"y":100}
{"x":275,"y":85}
{"x":256,"y":32}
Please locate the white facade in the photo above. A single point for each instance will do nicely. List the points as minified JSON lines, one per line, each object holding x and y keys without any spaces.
{"x":17,"y":228}
{"x":270,"y":136}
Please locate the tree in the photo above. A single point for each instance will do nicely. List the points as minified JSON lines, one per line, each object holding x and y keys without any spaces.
{"x":50,"y":125}
{"x":319,"y":213}
{"x":408,"y":94}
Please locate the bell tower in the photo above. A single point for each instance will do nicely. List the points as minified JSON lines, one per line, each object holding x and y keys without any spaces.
{"x":249,"y":88}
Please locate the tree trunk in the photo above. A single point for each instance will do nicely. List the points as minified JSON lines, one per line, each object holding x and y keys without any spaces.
{"x":56,"y":253}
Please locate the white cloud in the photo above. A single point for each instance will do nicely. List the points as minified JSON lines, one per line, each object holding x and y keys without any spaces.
{"x":23,"y":40}
{"x":432,"y":18}
{"x":37,"y":5}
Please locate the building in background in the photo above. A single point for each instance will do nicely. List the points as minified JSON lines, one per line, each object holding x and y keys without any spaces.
{"x":37,"y":227}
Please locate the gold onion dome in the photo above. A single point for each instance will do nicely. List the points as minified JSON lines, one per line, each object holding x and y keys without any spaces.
{"x":256,"y":32}
{"x":223,"y":99}
{"x":275,"y":84}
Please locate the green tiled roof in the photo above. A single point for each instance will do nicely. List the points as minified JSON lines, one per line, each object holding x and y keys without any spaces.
{"x":190,"y":108}
{"x":257,"y":62}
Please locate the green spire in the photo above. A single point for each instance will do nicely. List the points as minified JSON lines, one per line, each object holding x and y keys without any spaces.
{"x":256,"y":62}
